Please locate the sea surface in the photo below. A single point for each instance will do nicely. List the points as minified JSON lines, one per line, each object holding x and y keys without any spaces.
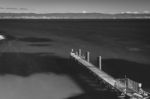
{"x":35,"y":63}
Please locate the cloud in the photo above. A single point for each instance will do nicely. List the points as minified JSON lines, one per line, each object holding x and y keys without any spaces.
{"x":1,"y":8}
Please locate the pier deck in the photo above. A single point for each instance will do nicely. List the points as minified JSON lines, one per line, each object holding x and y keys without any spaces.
{"x":107,"y":78}
{"x":126,"y":86}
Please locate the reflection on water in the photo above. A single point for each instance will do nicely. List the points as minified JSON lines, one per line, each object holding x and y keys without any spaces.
{"x":38,"y":86}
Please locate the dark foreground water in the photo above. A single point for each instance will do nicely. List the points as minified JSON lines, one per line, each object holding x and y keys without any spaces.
{"x":35,"y":64}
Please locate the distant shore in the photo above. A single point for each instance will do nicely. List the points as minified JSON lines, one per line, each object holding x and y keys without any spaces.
{"x":74,"y":16}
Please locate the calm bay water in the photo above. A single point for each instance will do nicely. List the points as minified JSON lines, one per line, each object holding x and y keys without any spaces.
{"x":34,"y":59}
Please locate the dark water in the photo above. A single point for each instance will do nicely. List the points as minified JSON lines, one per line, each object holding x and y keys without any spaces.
{"x":90,"y":30}
{"x":132,"y":35}
{"x":129,"y":34}
{"x":135,"y":71}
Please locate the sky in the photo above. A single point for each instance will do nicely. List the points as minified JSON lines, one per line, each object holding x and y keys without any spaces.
{"x":65,"y":6}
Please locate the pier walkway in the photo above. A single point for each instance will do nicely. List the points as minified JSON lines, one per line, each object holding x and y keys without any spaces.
{"x":126,"y":86}
{"x":107,"y":78}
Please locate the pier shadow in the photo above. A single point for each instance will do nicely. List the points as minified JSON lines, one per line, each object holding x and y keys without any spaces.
{"x":118,"y":68}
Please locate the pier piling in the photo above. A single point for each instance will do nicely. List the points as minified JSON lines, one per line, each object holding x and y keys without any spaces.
{"x":80,"y":52}
{"x":88,"y":56}
{"x":100,"y":62}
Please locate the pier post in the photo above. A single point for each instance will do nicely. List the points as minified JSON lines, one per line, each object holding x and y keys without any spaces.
{"x":88,"y":56}
{"x":79,"y":52}
{"x":72,"y":50}
{"x":100,"y":62}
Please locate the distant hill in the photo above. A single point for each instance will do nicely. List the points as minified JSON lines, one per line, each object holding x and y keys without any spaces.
{"x":73,"y":16}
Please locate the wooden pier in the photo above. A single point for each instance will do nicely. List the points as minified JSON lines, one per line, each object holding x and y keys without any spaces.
{"x":125,"y":86}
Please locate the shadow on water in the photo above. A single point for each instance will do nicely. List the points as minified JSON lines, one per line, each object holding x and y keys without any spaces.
{"x":40,"y":45}
{"x":34,"y":39}
{"x":24,"y":64}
